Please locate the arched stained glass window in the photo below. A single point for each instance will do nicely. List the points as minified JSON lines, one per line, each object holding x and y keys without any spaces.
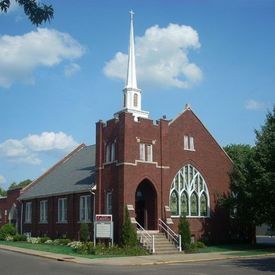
{"x":174,"y":203}
{"x":184,"y":204}
{"x":194,"y":204}
{"x":203,"y":205}
{"x":189,"y":193}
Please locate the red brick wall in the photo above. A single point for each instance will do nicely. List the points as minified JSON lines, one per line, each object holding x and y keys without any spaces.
{"x":52,"y":228}
{"x":123,"y":179}
{"x":6,"y":205}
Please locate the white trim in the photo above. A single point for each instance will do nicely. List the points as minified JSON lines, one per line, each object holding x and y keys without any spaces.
{"x":189,"y":180}
{"x":28,"y":212}
{"x":62,"y":213}
{"x":84,"y":207}
{"x":43,"y":211}
{"x":145,"y":162}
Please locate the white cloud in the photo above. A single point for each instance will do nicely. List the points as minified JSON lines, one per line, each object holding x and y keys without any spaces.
{"x":21,"y":55}
{"x":162,"y":58}
{"x":2,"y":179}
{"x":27,"y":149}
{"x":49,"y":141}
{"x":254,"y":105}
{"x":71,"y":69}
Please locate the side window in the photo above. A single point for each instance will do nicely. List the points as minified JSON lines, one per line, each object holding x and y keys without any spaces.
{"x":188,"y":143}
{"x":110,"y":152}
{"x":146,"y":152}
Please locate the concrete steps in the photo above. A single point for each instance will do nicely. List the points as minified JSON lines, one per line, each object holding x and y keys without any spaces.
{"x":162,"y":244}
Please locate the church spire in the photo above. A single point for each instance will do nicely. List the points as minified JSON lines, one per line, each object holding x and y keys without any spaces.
{"x":131,"y":81}
{"x":132,"y":94}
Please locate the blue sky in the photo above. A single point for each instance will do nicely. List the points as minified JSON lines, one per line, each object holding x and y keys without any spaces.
{"x":58,"y":80}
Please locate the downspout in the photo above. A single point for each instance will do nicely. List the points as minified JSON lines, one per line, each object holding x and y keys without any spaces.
{"x":161,"y":172}
{"x":21,"y":218}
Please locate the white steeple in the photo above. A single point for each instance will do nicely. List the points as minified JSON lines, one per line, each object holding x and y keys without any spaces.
{"x":132,"y":94}
{"x":131,"y":81}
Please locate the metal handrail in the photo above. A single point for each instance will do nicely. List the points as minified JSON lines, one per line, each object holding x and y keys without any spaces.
{"x":174,"y":236}
{"x":149,"y":240}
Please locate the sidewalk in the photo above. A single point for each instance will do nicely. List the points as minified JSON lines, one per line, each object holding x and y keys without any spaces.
{"x":136,"y":260}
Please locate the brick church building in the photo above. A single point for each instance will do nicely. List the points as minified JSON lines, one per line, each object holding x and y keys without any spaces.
{"x":158,"y":170}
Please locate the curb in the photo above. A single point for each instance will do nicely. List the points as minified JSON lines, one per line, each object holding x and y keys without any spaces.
{"x":37,"y":254}
{"x":207,"y":260}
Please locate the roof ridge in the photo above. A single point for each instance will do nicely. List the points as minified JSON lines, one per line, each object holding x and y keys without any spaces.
{"x":66,"y":158}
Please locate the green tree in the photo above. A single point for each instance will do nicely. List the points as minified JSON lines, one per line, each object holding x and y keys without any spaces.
{"x":265,"y":171}
{"x":128,"y":234}
{"x":21,"y":184}
{"x":240,"y":202}
{"x":3,"y":192}
{"x":84,"y":232}
{"x":37,"y":12}
{"x":184,"y":231}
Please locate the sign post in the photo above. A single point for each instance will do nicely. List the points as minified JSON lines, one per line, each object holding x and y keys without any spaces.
{"x":103,"y":228}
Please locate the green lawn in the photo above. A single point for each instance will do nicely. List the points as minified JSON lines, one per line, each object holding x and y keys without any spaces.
{"x":240,"y":249}
{"x":59,"y":249}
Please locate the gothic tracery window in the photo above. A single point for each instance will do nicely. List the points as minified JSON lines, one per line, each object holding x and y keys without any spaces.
{"x":189,"y":194}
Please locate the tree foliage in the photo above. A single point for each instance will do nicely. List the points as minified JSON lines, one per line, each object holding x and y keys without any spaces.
{"x":265,"y":174}
{"x":37,"y":12}
{"x":21,"y":184}
{"x":2,"y":192}
{"x":84,"y":232}
{"x":184,"y":231}
{"x":128,"y":234}
{"x":251,"y":201}
{"x":240,"y":201}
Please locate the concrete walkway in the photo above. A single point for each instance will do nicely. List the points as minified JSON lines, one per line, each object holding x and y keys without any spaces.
{"x":136,"y":260}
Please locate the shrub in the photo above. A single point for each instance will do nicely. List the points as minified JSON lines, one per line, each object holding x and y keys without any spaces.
{"x":200,"y":244}
{"x":49,"y":241}
{"x":84,"y":232}
{"x":184,"y":231}
{"x":61,"y":241}
{"x":128,"y":234}
{"x":19,"y":238}
{"x":82,"y":248}
{"x":44,"y":239}
{"x":34,"y":240}
{"x":7,"y":230}
{"x":74,"y":244}
{"x":9,"y":238}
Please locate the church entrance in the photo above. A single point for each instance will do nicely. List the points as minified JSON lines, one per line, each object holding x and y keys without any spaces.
{"x":146,"y":205}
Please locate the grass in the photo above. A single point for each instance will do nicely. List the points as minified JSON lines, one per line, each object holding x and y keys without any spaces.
{"x":60,"y":249}
{"x":240,"y":249}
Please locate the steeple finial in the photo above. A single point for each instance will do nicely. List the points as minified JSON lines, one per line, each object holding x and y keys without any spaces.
{"x":131,"y":81}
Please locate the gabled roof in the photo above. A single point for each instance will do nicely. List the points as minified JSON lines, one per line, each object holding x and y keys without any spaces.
{"x":74,"y":173}
{"x":188,"y":109}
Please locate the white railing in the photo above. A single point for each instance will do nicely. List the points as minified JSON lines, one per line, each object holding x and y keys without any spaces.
{"x":145,"y":238}
{"x":170,"y":234}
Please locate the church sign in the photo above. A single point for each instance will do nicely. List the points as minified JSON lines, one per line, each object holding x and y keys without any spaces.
{"x":103,"y":227}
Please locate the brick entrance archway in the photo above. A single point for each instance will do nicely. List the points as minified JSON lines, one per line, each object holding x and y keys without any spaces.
{"x":146,"y":205}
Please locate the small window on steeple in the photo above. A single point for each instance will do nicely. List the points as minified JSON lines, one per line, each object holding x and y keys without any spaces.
{"x":135,"y":100}
{"x":124,"y":101}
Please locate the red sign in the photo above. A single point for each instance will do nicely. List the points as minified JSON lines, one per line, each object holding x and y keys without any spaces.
{"x":103,"y":218}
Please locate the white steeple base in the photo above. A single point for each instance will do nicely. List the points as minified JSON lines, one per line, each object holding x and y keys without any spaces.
{"x":135,"y":113}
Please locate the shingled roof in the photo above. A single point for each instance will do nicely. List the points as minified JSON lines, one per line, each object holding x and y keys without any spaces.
{"x":73,"y":174}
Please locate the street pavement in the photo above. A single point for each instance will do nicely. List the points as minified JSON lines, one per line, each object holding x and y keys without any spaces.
{"x":134,"y":261}
{"x":13,"y":263}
